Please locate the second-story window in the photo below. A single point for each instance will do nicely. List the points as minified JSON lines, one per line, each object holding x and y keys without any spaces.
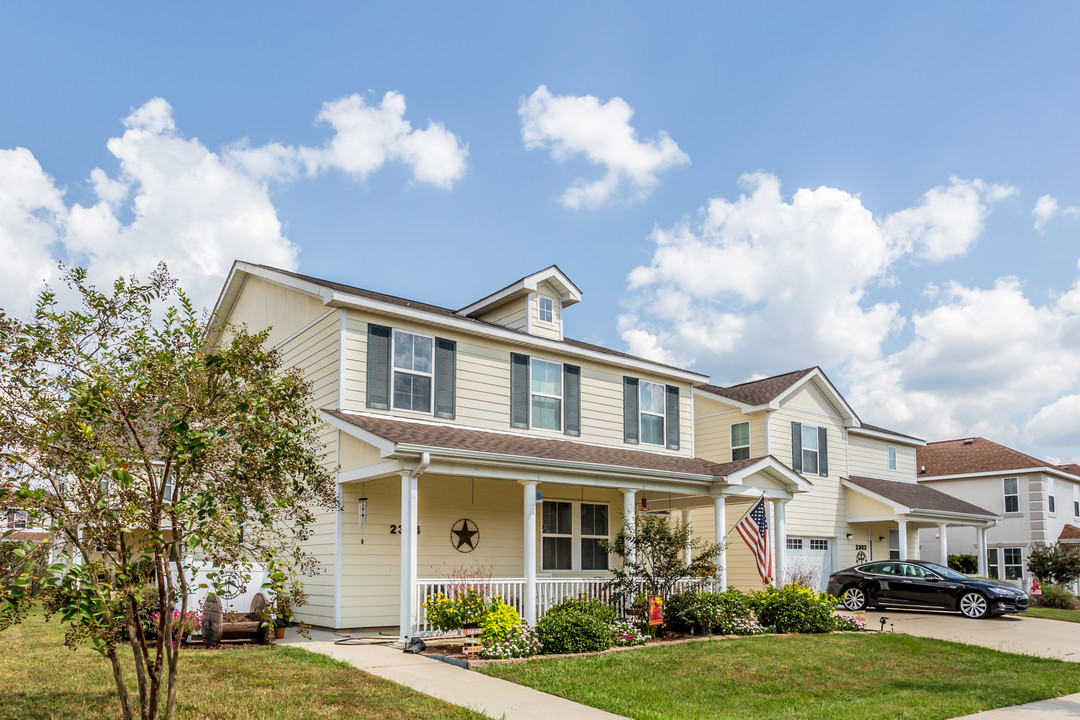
{"x":1051,"y":499}
{"x":809,"y":449}
{"x":547,"y":394}
{"x":652,"y":412}
{"x":20,"y":520}
{"x":1012,"y":495}
{"x":892,"y":458}
{"x":740,"y":441}
{"x":413,"y":365}
{"x":547,"y":310}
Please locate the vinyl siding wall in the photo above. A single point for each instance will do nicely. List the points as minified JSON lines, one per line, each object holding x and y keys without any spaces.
{"x":511,"y":315}
{"x":263,"y":304}
{"x":870,"y":456}
{"x":553,"y":329}
{"x":713,"y":423}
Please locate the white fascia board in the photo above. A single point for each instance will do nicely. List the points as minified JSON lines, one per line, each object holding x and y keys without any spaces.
{"x":1001,"y":473}
{"x":952,"y":517}
{"x":470,"y":327}
{"x":371,"y":472}
{"x":386,"y":448}
{"x":852,"y":419}
{"x":886,"y":436}
{"x":775,"y":469}
{"x":872,"y":519}
{"x":897,"y":507}
{"x":749,"y":491}
{"x":569,"y":293}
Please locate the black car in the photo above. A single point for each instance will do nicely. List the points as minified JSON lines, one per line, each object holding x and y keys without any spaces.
{"x":914,"y":583}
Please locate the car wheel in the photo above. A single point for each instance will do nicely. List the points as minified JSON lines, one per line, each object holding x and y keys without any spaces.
{"x":853,"y":598}
{"x":974,"y":605}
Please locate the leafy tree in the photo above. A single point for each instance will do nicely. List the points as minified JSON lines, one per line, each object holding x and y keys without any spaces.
{"x":652,"y":553}
{"x":141,"y":441}
{"x":1055,"y":563}
{"x":964,"y":563}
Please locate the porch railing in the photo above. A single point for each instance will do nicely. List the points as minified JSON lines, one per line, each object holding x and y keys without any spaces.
{"x":549,"y":592}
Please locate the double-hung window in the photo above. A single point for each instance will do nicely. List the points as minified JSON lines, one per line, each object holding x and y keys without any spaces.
{"x":992,"y":563}
{"x":892,"y":458}
{"x":20,"y":520}
{"x":1011,"y":488}
{"x":740,"y":441}
{"x":1051,"y":499}
{"x":1076,"y":500}
{"x":1014,"y":563}
{"x":810,"y":449}
{"x":547,"y":310}
{"x":652,"y":412}
{"x":894,"y":544}
{"x":573,"y":540}
{"x":414,"y":363}
{"x":547,"y":394}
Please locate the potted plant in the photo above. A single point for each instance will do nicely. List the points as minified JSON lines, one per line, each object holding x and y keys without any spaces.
{"x":282,"y":614}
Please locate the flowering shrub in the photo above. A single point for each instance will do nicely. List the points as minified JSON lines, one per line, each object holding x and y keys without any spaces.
{"x":794,"y":608}
{"x":521,"y":641}
{"x":732,"y":625}
{"x":497,"y":623}
{"x":452,"y":613}
{"x":846,"y":623}
{"x":626,"y":634}
{"x":192,"y":620}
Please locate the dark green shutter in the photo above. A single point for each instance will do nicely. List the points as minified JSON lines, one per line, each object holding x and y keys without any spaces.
{"x":631,"y":405}
{"x":823,"y":451}
{"x":519,"y":390}
{"x":572,"y":400}
{"x":378,"y":367}
{"x":796,"y":446}
{"x":445,"y":377}
{"x":671,"y":421}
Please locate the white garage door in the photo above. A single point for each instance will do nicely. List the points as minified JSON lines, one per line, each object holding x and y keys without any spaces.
{"x":809,"y":561}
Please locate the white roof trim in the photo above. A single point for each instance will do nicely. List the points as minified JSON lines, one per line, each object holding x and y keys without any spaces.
{"x":887,"y":436}
{"x":775,"y":469}
{"x":568,"y":291}
{"x":1057,"y":472}
{"x":851,"y":419}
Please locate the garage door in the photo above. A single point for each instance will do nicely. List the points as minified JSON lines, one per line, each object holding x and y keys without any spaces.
{"x":809,"y":561}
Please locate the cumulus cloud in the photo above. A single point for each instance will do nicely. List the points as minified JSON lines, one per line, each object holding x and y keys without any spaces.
{"x":763,"y":284}
{"x":1047,"y":208}
{"x":365,"y":138}
{"x":580,"y":125}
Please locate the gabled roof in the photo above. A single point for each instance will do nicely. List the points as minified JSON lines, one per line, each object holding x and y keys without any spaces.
{"x":567,"y":453}
{"x":975,"y":455}
{"x":552,"y":275}
{"x":917,"y":497}
{"x":768,"y":392}
{"x":336,"y":294}
{"x":1069,"y":533}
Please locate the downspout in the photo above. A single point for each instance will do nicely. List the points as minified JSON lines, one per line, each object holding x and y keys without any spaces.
{"x":425,"y":460}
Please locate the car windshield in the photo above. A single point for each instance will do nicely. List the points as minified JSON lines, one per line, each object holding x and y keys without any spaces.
{"x":946,"y":572}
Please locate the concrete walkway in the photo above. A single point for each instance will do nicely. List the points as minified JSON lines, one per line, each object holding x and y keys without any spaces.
{"x":491,"y":696}
{"x":1062,"y":708}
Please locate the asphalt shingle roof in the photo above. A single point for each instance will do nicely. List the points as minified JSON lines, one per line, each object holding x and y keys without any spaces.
{"x":918,"y":497}
{"x":971,"y":455}
{"x":437,"y":435}
{"x":758,"y":392}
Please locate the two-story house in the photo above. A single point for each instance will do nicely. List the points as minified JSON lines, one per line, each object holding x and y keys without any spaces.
{"x":483,"y":441}
{"x":865,"y":503}
{"x":1038,"y":502}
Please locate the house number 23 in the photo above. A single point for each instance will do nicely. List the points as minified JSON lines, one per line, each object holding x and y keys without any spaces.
{"x":396,"y":529}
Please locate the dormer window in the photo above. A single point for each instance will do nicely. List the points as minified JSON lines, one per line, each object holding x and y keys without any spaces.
{"x":547,"y":310}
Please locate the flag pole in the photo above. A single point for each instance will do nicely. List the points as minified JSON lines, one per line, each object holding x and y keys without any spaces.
{"x":724,"y":539}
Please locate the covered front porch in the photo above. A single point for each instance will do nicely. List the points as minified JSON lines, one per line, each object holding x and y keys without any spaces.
{"x":524,"y":522}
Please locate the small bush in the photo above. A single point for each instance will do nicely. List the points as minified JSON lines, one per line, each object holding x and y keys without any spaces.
{"x":520,"y":641}
{"x":573,"y":631}
{"x":687,"y":610}
{"x":795,"y":609}
{"x":625,"y":634}
{"x":849,"y":623}
{"x":591,"y":607}
{"x":967,"y":564}
{"x":736,"y":603}
{"x":1056,"y":596}
{"x":732,"y":625}
{"x":497,"y":623}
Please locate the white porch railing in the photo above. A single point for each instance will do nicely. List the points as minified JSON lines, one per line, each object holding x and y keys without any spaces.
{"x":549,"y":592}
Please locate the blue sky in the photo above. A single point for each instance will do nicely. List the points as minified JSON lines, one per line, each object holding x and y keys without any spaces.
{"x":758,"y":187}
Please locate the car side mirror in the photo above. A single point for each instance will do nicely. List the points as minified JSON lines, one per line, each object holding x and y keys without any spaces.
{"x":933,"y":579}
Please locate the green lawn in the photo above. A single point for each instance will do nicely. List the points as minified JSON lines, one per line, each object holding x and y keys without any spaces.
{"x":1053,"y":614}
{"x":40,"y":678}
{"x":864,"y":676}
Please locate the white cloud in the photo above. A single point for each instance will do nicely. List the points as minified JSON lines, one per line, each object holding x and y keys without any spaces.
{"x":1047,"y":208}
{"x":1057,"y":424}
{"x":365,"y":138}
{"x":572,"y":125}
{"x":762,"y":284}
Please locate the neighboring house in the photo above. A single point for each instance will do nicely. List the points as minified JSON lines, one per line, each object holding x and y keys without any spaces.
{"x":865,"y":503}
{"x":1039,"y":502}
{"x":16,"y":522}
{"x":483,"y":442}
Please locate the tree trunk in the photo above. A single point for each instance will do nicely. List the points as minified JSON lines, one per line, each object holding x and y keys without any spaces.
{"x":121,"y":688}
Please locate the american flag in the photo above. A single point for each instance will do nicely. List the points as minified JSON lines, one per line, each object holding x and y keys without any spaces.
{"x":754,"y":529}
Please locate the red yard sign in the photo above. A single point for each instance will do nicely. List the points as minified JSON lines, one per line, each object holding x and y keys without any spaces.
{"x":656,"y":610}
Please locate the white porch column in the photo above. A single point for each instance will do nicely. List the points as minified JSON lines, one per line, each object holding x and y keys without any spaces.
{"x":980,"y":536}
{"x":529,"y":601}
{"x":780,"y":530}
{"x":720,"y":521}
{"x":943,"y":556}
{"x":629,"y":509}
{"x":408,"y":554}
{"x":688,"y":551}
{"x":902,"y":529}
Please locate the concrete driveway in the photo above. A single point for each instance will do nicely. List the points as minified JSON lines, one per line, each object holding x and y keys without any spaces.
{"x":1010,"y":633}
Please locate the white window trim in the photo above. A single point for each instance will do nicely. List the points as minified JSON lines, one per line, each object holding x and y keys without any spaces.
{"x":394,"y":370}
{"x":575,"y":536}
{"x":21,"y":520}
{"x":892,"y":457}
{"x":996,"y":565}
{"x":540,"y":310}
{"x":642,"y":412}
{"x":748,"y":438}
{"x":560,"y":398}
{"x":1005,"y":496}
{"x":1004,"y":565}
{"x":816,"y":451}
{"x":894,"y":533}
